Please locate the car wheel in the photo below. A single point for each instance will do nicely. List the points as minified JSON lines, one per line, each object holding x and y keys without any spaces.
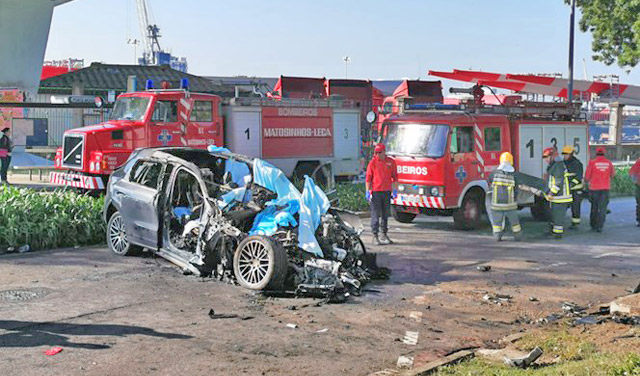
{"x":467,"y":217}
{"x":402,"y":217}
{"x":259,"y":263}
{"x":117,"y":237}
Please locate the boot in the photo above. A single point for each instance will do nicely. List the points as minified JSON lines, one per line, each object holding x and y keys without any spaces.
{"x":376,"y":240}
{"x":497,"y":236}
{"x":384,"y":239}
{"x":517,"y":236}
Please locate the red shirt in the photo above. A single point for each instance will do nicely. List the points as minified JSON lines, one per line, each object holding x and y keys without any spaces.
{"x":381,"y":174}
{"x":599,"y":173}
{"x":635,"y":172}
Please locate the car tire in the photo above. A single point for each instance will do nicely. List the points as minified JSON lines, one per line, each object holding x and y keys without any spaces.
{"x":259,"y":263}
{"x":540,"y":210}
{"x":468,"y":216}
{"x":402,"y":217}
{"x":117,"y":237}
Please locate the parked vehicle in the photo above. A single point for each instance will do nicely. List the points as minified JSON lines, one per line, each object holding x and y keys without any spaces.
{"x":299,"y":136}
{"x":444,"y":153}
{"x":238,"y":218}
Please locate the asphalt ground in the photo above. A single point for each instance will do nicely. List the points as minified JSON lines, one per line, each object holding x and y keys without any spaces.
{"x":139,"y":315}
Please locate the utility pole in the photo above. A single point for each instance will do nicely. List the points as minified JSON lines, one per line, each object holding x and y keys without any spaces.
{"x":346,"y":60}
{"x":571,"y":30}
{"x":135,"y":43}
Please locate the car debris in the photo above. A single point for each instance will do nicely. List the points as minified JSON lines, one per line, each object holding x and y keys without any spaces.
{"x":588,"y":320}
{"x":237,"y":219}
{"x":292,"y":326}
{"x":53,"y":351}
{"x":322,"y":330}
{"x":572,"y":309}
{"x":484,"y":268}
{"x":213,"y":315}
{"x":405,"y":362}
{"x":524,"y":361}
{"x":533,"y":299}
{"x":498,"y":299}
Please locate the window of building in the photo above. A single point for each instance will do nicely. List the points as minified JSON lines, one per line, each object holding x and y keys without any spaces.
{"x":202,"y":111}
{"x":461,"y":140}
{"x":165,"y":112}
{"x":492,"y":139}
{"x":146,"y":173}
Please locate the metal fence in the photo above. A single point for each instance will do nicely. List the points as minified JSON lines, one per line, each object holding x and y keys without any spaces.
{"x":60,"y":120}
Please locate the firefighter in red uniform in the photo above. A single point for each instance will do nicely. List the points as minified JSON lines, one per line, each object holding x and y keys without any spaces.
{"x":598,"y":176}
{"x":634,"y":173}
{"x":381,"y":184}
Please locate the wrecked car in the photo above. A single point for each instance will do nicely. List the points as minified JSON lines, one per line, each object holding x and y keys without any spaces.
{"x":235,"y":218}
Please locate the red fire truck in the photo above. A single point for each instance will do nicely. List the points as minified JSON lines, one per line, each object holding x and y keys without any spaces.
{"x":444,"y":153}
{"x":299,"y":136}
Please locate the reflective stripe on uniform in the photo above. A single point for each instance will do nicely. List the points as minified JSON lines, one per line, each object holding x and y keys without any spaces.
{"x":557,"y":229}
{"x":575,"y":221}
{"x":497,"y":229}
{"x":516,"y":228}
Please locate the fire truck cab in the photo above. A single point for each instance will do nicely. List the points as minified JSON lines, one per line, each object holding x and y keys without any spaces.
{"x":444,"y":154}
{"x":142,"y":119}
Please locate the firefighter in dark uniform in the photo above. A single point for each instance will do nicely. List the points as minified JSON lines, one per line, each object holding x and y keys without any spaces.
{"x":558,"y":190}
{"x":576,"y":174}
{"x":504,"y":191}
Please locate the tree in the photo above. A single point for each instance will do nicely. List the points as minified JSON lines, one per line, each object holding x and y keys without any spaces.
{"x":615,"y":26}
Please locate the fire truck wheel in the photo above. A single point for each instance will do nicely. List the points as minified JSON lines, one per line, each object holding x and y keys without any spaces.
{"x":468,"y":216}
{"x":259,"y":263}
{"x":117,"y":237}
{"x":402,"y":217}
{"x":540,"y":210}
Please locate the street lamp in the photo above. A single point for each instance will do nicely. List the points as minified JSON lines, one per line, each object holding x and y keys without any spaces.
{"x":571,"y":27}
{"x":346,"y":60}
{"x":135,"y":44}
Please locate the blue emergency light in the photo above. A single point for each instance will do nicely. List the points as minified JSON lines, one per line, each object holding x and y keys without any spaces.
{"x":184,"y":83}
{"x":149,"y":85}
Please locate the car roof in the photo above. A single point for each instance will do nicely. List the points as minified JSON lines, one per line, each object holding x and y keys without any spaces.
{"x":188,"y":155}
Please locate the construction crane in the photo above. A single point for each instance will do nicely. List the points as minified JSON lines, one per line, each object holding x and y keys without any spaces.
{"x":153,"y":54}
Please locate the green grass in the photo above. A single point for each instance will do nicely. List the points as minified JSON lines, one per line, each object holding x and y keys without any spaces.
{"x":604,"y":364}
{"x":572,"y":355}
{"x":49,"y":220}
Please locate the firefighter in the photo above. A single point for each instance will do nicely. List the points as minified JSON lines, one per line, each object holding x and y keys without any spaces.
{"x":381,"y":185}
{"x":576,"y":171}
{"x":634,"y":173}
{"x":504,"y":184}
{"x":598,"y":176}
{"x":558,"y":191}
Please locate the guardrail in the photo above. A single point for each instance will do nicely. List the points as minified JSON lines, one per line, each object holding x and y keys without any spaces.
{"x":31,"y":169}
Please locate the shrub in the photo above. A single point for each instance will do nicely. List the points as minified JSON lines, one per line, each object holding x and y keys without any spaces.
{"x":352,"y":196}
{"x":49,"y":219}
{"x":621,"y":184}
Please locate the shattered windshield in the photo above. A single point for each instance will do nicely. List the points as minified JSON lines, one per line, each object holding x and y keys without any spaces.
{"x":130,"y":108}
{"x":427,"y":140}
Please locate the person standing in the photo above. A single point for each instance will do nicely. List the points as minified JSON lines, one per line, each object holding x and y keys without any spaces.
{"x":576,"y":172}
{"x":504,"y":190}
{"x":598,"y":177}
{"x":634,"y":173}
{"x":558,"y":191}
{"x":5,"y":154}
{"x":381,"y":185}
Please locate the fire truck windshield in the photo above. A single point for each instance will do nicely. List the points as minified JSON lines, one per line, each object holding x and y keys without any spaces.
{"x":426,"y":140}
{"x":130,"y":108}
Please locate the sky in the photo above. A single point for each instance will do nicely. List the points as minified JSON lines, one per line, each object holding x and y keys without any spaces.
{"x":384,"y":39}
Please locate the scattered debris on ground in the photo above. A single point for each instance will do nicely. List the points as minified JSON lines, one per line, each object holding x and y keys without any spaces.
{"x":498,"y":299}
{"x":484,"y":268}
{"x":53,"y":351}
{"x":525,"y":361}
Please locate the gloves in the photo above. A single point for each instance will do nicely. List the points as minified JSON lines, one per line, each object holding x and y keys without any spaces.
{"x":394,"y":194}
{"x":367,"y":195}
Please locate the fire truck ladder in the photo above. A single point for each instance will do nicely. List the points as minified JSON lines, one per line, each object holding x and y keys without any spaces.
{"x":520,"y":110}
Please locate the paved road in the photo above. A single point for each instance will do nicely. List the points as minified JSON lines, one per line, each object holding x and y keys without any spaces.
{"x":140,"y":315}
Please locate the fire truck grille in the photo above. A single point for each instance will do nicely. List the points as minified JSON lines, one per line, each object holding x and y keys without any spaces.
{"x":72,"y":148}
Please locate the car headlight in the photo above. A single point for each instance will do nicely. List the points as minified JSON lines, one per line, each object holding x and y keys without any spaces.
{"x":401,"y":188}
{"x":435,"y":191}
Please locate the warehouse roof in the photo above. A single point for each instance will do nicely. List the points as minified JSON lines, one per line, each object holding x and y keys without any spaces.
{"x":99,"y":78}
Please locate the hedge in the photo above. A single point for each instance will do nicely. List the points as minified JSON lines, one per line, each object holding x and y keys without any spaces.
{"x":45,"y":220}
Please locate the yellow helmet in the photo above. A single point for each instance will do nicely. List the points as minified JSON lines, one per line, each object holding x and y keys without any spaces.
{"x":567,"y":149}
{"x":506,"y":157}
